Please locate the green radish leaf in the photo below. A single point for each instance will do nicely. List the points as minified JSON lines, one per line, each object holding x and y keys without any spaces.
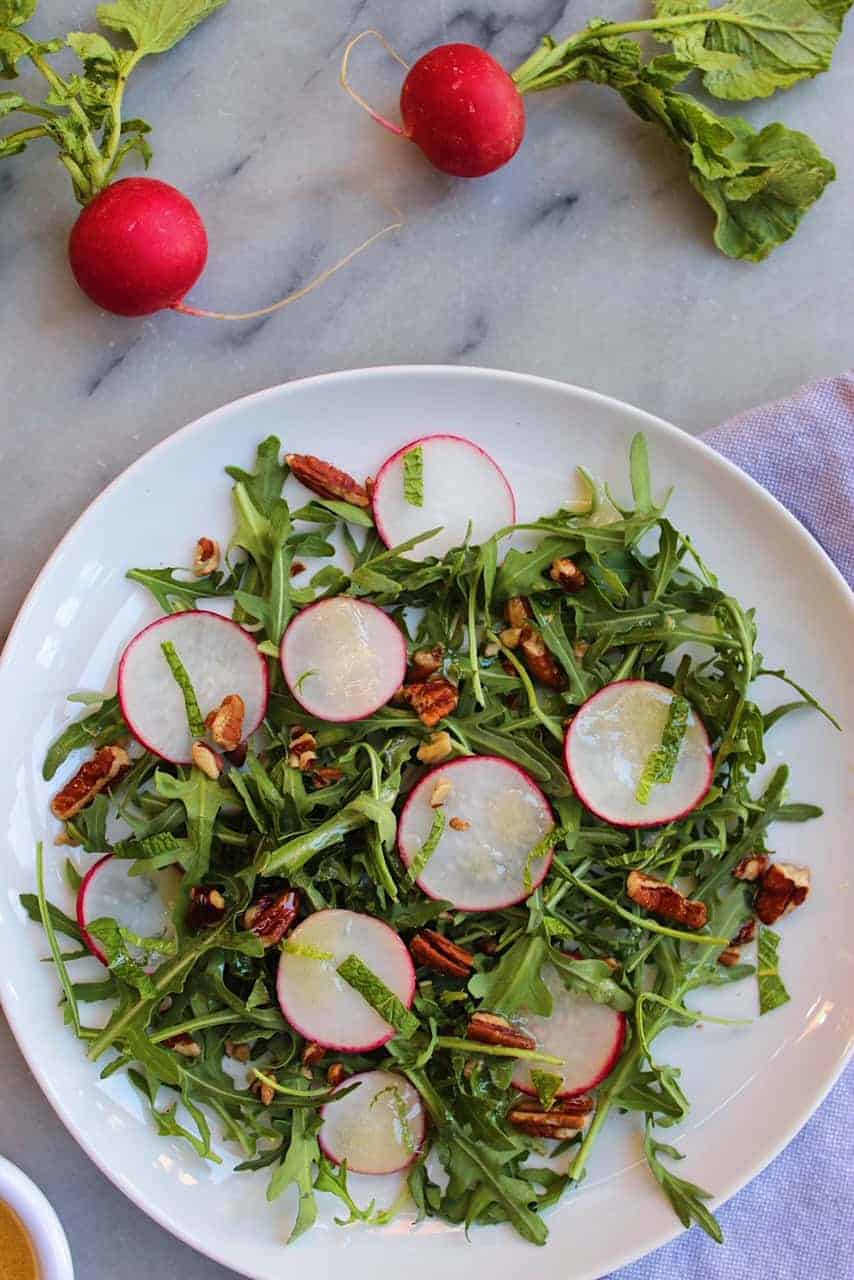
{"x":14,"y":13}
{"x":155,"y":26}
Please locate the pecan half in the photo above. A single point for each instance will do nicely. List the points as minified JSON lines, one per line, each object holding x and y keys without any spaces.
{"x":302,"y":749}
{"x":782,"y":888}
{"x":205,"y":908}
{"x":206,"y":557}
{"x":752,"y":867}
{"x":491,"y":1028}
{"x":272,"y":915}
{"x":563,"y":1120}
{"x":327,"y":481}
{"x":431,"y":700}
{"x":89,"y":781}
{"x":425,"y":663}
{"x":566,"y":574}
{"x":435,"y":951}
{"x":539,"y":660}
{"x":183,"y":1044}
{"x":746,"y":933}
{"x":326,"y":776}
{"x":437,"y":747}
{"x":225,"y":722}
{"x":666,"y":901}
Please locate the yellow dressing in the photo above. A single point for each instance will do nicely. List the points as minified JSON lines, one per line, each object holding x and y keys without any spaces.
{"x":17,"y":1258}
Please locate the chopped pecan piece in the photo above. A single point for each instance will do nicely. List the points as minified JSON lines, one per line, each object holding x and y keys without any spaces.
{"x":440,"y":793}
{"x":297,"y":567}
{"x":782,"y":888}
{"x":491,"y":1028}
{"x":752,"y":867}
{"x":566,"y":574}
{"x":336,"y":1074}
{"x":539,"y":660}
{"x":272,"y":915}
{"x":262,"y":1090}
{"x":237,"y":757}
{"x":312,"y":1054}
{"x":435,"y":951}
{"x":183,"y":1044}
{"x":425,"y":663}
{"x":746,"y":933}
{"x":517,"y":611}
{"x":89,"y":781}
{"x":510,"y":638}
{"x":437,"y":747}
{"x":327,"y":481}
{"x":563,"y":1120}
{"x":205,"y":908}
{"x":666,"y":901}
{"x":459,"y":824}
{"x":729,"y":957}
{"x":579,"y":649}
{"x":206,"y":760}
{"x":225,"y":722}
{"x":239,"y":1052}
{"x":302,"y":749}
{"x":431,"y":700}
{"x":325,"y":776}
{"x":206,"y":557}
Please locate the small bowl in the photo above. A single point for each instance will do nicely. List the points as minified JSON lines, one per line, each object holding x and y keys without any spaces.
{"x":40,"y":1221}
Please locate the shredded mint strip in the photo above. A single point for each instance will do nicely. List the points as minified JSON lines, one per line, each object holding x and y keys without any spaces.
{"x":185,"y":684}
{"x":413,"y":476}
{"x":661,"y":762}
{"x":306,"y":951}
{"x":540,"y":850}
{"x":372,"y":989}
{"x":399,"y":1103}
{"x":425,"y":853}
{"x":772,"y":990}
{"x":546,"y":1085}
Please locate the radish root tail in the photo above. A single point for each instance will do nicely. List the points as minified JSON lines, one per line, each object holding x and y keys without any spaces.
{"x":188,"y":310}
{"x":357,"y":97}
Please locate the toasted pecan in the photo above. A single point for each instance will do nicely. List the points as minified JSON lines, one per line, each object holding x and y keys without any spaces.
{"x":666,"y":901}
{"x":746,"y":933}
{"x":325,"y":776}
{"x":425,"y":663}
{"x":435,"y":951}
{"x":561,"y":1121}
{"x":783,"y":887}
{"x":491,"y":1028}
{"x":437,"y":747}
{"x":517,"y":611}
{"x":225,"y":722}
{"x":207,"y":760}
{"x":206,"y":907}
{"x":184,"y":1044}
{"x":272,"y":915}
{"x":539,"y":660}
{"x":336,"y":1074}
{"x":90,"y":780}
{"x":205,"y":557}
{"x":752,"y":867}
{"x":566,"y":574}
{"x":431,"y":700}
{"x":327,"y":481}
{"x":302,"y":749}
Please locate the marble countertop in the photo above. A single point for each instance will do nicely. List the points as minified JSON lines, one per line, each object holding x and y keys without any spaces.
{"x":589,"y":259}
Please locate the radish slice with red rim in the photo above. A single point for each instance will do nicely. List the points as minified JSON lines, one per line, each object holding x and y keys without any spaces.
{"x":488,"y":864}
{"x":134,"y":902}
{"x":609,"y":744}
{"x":343,"y":658}
{"x":587,"y":1036}
{"x":460,"y":484}
{"x":220,"y":658}
{"x":378,"y":1128}
{"x":314,"y":997}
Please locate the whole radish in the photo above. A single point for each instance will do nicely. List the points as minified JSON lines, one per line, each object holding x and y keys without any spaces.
{"x":139,"y":245}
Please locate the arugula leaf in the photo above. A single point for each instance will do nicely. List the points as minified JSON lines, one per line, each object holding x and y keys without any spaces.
{"x":97,"y":728}
{"x":60,"y":922}
{"x":413,"y":476}
{"x":686,"y":1197}
{"x":174,"y":595}
{"x":47,"y":921}
{"x":515,"y":982}
{"x":296,"y":1168}
{"x":202,"y":798}
{"x":155,"y":26}
{"x":772,"y":990}
{"x":546,"y":1085}
{"x":593,"y":978}
{"x":14,"y":13}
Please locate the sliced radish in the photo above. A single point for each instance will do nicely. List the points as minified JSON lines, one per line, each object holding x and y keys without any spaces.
{"x":378,"y":1128}
{"x":317,"y":1002}
{"x":135,"y":902}
{"x":461,"y":485}
{"x":220,"y":658}
{"x":589,"y":1037}
{"x":486,"y":865}
{"x":609,"y":743}
{"x":343,"y":658}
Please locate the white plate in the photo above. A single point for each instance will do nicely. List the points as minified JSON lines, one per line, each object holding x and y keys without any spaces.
{"x":751,"y":1088}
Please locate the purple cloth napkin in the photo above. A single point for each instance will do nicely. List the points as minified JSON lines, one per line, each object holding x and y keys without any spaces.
{"x":797,"y":1218}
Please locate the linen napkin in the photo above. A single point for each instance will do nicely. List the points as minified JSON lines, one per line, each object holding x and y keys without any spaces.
{"x":797,"y":1218}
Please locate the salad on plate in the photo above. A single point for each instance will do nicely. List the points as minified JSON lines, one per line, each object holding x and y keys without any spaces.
{"x":410,"y":827}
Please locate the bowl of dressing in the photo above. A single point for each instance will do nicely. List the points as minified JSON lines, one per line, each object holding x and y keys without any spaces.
{"x":32,"y":1242}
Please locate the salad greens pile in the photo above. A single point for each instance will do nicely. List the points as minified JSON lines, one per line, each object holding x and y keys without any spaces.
{"x":263,"y":826}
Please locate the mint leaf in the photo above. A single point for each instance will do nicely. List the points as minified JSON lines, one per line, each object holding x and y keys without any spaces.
{"x":373,"y":990}
{"x":662,"y":761}
{"x":182,"y":678}
{"x":425,"y":853}
{"x":155,"y":26}
{"x":413,"y":476}
{"x":546,"y":1086}
{"x":772,"y":990}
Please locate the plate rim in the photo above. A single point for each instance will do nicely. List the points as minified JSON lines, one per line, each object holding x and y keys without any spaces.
{"x":474,"y":372}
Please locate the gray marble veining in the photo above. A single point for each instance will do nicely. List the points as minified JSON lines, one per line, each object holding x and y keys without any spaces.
{"x":588,"y":259}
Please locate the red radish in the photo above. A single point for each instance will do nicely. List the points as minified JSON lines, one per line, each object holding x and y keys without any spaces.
{"x":317,"y":1002}
{"x":487,"y":865}
{"x":135,"y":902}
{"x":378,"y":1128}
{"x":458,"y":105}
{"x":139,"y":247}
{"x":343,"y":658}
{"x":461,"y":484}
{"x":220,"y":659}
{"x":587,"y":1036}
{"x":609,"y":743}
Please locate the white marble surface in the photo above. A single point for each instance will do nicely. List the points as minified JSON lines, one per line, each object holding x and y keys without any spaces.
{"x":588,"y":259}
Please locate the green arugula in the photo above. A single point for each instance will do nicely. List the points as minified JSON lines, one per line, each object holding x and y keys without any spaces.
{"x":100,"y":726}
